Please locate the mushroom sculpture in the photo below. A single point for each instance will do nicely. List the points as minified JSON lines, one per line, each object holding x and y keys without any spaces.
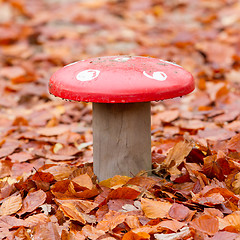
{"x":121,"y":89}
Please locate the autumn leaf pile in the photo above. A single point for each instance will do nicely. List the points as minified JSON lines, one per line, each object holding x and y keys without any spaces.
{"x":48,"y":189}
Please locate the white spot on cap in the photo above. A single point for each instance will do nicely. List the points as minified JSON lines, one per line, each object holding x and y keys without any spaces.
{"x":170,"y":63}
{"x":87,"y":75}
{"x":160,"y":76}
{"x":121,"y":59}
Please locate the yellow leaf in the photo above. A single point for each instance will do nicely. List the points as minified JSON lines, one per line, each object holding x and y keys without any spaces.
{"x":117,"y":180}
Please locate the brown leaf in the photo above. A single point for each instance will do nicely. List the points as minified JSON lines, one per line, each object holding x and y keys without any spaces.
{"x":111,"y":220}
{"x":91,"y":232}
{"x":225,"y":235}
{"x":155,"y":209}
{"x":32,"y":201}
{"x":36,"y":219}
{"x":176,"y":156}
{"x":206,"y":224}
{"x":43,"y":177}
{"x":20,"y":157}
{"x":11,"y":205}
{"x":60,"y":172}
{"x":234,"y":143}
{"x":179,"y":212}
{"x":136,"y":236}
{"x":84,"y":205}
{"x":10,"y":222}
{"x":173,"y":225}
{"x":83,"y":181}
{"x":231,"y":220}
{"x":124,"y":193}
{"x":46,"y":231}
{"x":115,"y":181}
{"x":213,"y":212}
{"x":53,"y":131}
{"x":143,"y":182}
{"x":70,"y":210}
{"x":22,"y":233}
{"x":215,"y":134}
{"x":81,"y":193}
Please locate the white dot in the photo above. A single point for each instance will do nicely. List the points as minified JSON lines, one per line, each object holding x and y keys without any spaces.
{"x":159,"y":76}
{"x":87,"y":75}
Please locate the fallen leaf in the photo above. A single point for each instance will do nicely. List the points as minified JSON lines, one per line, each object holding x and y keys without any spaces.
{"x":155,"y":209}
{"x":124,"y":193}
{"x":231,"y":220}
{"x":115,"y":181}
{"x":91,"y":232}
{"x":32,"y":201}
{"x":179,"y":212}
{"x":111,"y":220}
{"x":11,"y":205}
{"x":83,"y":181}
{"x":183,"y":234}
{"x":136,"y":236}
{"x":205,"y":223}
{"x":176,"y":156}
{"x":46,"y":231}
{"x":234,"y":143}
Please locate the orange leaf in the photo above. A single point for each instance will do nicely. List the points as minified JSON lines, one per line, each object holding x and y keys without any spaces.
{"x":47,"y":231}
{"x":70,"y":210}
{"x":230,"y":220}
{"x":33,"y":220}
{"x":179,"y":212}
{"x":176,"y":156}
{"x":136,"y":236}
{"x":11,"y":205}
{"x":234,"y":143}
{"x":32,"y":201}
{"x":155,"y":209}
{"x":206,"y":224}
{"x":111,"y":220}
{"x":43,"y":177}
{"x":124,"y":193}
{"x":91,"y":232}
{"x":117,"y":180}
{"x":173,"y":225}
{"x":132,"y":222}
{"x":84,"y":181}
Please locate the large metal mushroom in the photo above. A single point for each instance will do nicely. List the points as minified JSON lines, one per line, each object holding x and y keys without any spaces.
{"x":121,"y":88}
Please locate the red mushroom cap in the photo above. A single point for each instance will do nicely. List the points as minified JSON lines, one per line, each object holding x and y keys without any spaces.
{"x":121,"y":79}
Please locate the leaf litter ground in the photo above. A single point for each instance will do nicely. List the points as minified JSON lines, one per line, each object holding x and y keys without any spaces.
{"x":48,"y":189}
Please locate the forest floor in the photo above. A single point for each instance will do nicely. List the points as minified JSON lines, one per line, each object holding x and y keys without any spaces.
{"x":48,"y":189}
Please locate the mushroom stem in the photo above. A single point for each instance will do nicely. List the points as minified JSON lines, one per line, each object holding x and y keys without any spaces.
{"x":121,"y":139}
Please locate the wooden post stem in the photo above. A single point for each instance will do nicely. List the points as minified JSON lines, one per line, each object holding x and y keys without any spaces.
{"x":121,"y":139}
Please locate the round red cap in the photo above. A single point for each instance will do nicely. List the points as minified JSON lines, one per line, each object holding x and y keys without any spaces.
{"x":121,"y":79}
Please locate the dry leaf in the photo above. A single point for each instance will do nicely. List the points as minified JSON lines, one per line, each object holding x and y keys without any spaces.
{"x":205,"y":223}
{"x":11,"y":205}
{"x":84,"y":181}
{"x":179,"y":212}
{"x":124,"y":193}
{"x":176,"y":156}
{"x":91,"y":232}
{"x":115,"y":181}
{"x":183,"y":234}
{"x":155,"y":209}
{"x":32,"y":201}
